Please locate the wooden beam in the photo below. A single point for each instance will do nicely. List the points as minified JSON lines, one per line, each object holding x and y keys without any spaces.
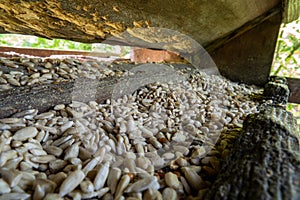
{"x":248,"y":58}
{"x":46,"y":96}
{"x":294,"y":86}
{"x":95,"y":21}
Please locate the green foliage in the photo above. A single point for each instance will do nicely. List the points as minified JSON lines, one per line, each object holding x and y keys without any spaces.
{"x":36,"y":42}
{"x":16,"y":40}
{"x":287,"y":58}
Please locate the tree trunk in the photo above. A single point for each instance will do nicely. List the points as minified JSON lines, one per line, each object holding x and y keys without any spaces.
{"x":265,"y":162}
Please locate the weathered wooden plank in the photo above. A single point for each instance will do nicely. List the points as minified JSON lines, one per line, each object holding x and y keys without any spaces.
{"x":94,"y":20}
{"x":294,"y":86}
{"x":46,"y":96}
{"x":248,"y":58}
{"x":41,"y":97}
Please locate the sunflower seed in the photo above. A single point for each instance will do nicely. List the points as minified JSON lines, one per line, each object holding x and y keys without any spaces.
{"x":182,"y":149}
{"x":13,"y":163}
{"x":185,"y":185}
{"x":32,"y":144}
{"x":2,"y":80}
{"x":37,"y":152}
{"x":58,"y":178}
{"x":40,"y":136}
{"x":141,"y":185}
{"x":66,"y":126}
{"x":71,"y":182}
{"x":11,"y":176}
{"x":57,"y":165}
{"x":72,"y":151}
{"x":25,"y":133}
{"x":172,"y":180}
{"x":101,"y":176}
{"x":14,"y":82}
{"x":129,"y":163}
{"x":5,"y":127}
{"x":4,"y":187}
{"x":39,"y":193}
{"x":52,"y":130}
{"x":122,"y":185}
{"x":152,"y":193}
{"x":27,"y":180}
{"x":113,"y":178}
{"x":199,"y":152}
{"x":53,"y":150}
{"x":62,"y":140}
{"x":84,"y":154}
{"x":92,"y":164}
{"x":87,"y":186}
{"x":10,"y":120}
{"x":48,"y":65}
{"x":43,"y":159}
{"x":19,"y":196}
{"x":194,"y":180}
{"x":7,"y":155}
{"x":52,"y":196}
{"x":169,"y":193}
{"x":67,"y":144}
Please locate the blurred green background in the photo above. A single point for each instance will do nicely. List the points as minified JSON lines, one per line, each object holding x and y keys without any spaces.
{"x":286,"y":60}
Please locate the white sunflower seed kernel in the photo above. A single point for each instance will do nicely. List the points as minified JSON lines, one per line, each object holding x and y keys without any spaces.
{"x":122,"y":185}
{"x":11,"y":176}
{"x":101,"y":176}
{"x":87,"y":186}
{"x":172,"y":180}
{"x":113,"y":178}
{"x":14,"y":195}
{"x":169,"y":193}
{"x":194,"y":180}
{"x":71,"y":182}
{"x":5,"y":188}
{"x":43,"y":159}
{"x":141,"y":185}
{"x":25,"y":133}
{"x":7,"y":155}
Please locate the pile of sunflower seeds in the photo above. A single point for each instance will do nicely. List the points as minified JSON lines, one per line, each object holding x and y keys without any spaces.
{"x":158,"y":143}
{"x":16,"y":72}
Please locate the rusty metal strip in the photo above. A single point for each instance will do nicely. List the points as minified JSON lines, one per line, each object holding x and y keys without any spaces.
{"x":294,"y":86}
{"x":8,"y":51}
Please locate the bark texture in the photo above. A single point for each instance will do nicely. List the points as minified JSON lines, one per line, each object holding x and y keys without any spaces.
{"x":96,"y":20}
{"x":265,"y":163}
